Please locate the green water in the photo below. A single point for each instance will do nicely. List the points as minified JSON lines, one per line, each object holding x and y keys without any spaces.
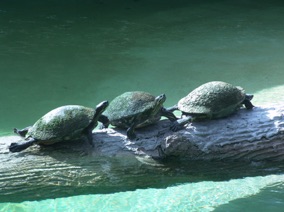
{"x":54,"y":53}
{"x":203,"y":196}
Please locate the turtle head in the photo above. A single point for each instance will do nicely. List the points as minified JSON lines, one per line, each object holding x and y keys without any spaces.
{"x":160,"y":99}
{"x":100,"y":108}
{"x":249,"y":96}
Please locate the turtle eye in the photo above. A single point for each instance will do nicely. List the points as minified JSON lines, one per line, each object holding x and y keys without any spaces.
{"x":161,"y":98}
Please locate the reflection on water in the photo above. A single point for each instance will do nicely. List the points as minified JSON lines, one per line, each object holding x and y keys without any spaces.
{"x":83,"y":52}
{"x":270,"y":96}
{"x":203,"y":196}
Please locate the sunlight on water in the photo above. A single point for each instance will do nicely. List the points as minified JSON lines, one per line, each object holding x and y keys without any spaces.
{"x":54,"y":56}
{"x":268,"y":96}
{"x":203,"y":196}
{"x":83,"y":52}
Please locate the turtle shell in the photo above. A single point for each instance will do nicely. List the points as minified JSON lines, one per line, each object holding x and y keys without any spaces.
{"x":130,"y":106}
{"x":62,"y":123}
{"x":215,"y":99}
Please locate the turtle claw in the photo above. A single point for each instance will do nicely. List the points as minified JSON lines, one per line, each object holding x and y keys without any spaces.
{"x":18,"y":147}
{"x":176,"y":127}
{"x":13,"y":147}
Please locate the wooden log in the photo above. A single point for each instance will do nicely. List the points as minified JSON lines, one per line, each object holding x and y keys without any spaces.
{"x":77,"y":168}
{"x":60,"y":170}
{"x":248,"y":135}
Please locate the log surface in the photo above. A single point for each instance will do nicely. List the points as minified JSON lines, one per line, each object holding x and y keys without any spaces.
{"x":252,"y":135}
{"x":117,"y":164}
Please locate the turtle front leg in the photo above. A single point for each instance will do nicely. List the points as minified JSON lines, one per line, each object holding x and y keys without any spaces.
{"x":172,"y":109}
{"x":88,"y":134}
{"x":18,"y":147}
{"x":248,"y":104}
{"x":104,"y":122}
{"x":130,"y":132}
{"x":179,"y":124}
{"x":167,"y":113}
{"x":247,"y":101}
{"x":22,"y":132}
{"x":90,"y":138}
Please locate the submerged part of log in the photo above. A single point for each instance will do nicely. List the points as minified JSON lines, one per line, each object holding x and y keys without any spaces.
{"x":252,"y":135}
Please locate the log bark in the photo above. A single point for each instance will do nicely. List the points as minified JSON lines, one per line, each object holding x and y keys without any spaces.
{"x":115,"y":163}
{"x":248,"y":135}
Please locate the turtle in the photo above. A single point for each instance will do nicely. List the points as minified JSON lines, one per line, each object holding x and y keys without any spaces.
{"x":135,"y":109}
{"x":69,"y":122}
{"x":212,"y":100}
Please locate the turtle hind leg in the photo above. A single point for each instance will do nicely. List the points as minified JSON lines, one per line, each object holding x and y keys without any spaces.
{"x":18,"y":147}
{"x":22,"y":132}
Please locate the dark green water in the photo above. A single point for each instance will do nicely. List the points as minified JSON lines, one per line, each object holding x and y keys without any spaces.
{"x":54,"y":53}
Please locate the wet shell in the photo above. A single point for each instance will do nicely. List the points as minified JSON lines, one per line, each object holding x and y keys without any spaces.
{"x":63,"y":123}
{"x":216,"y":99}
{"x":130,"y":106}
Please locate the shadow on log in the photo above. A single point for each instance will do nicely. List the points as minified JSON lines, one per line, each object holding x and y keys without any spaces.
{"x":248,"y":135}
{"x":118,"y":164}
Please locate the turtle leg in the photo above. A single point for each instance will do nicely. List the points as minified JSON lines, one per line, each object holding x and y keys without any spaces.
{"x":248,"y":104}
{"x":18,"y":147}
{"x":22,"y":132}
{"x":104,"y":120}
{"x":167,"y":113}
{"x":172,"y":109}
{"x":179,"y":124}
{"x":130,"y":132}
{"x":90,"y":137}
{"x":88,"y":134}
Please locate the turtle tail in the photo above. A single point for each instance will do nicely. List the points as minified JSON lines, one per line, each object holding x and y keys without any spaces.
{"x":18,"y":147}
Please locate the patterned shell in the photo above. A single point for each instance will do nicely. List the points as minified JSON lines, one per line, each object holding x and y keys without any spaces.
{"x":131,"y":105}
{"x":62,"y":123}
{"x":214,"y":98}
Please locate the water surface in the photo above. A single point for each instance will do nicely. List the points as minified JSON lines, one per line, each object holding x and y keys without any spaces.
{"x":82,"y":52}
